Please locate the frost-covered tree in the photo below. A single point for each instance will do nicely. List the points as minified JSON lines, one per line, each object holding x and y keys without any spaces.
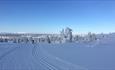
{"x":91,"y":36}
{"x":54,"y":38}
{"x":68,"y":33}
{"x":62,"y":34}
{"x":76,"y":38}
{"x":102,"y":35}
{"x":94,"y":37}
{"x":14,"y":40}
{"x":48,"y":39}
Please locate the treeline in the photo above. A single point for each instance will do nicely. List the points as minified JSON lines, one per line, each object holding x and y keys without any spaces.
{"x":64,"y":36}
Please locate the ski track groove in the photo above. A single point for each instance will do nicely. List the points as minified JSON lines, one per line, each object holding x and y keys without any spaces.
{"x":40,"y":58}
{"x":42,"y":61}
{"x":7,"y":53}
{"x":46,"y":56}
{"x":69,"y":66}
{"x":33,"y":53}
{"x":35,"y":59}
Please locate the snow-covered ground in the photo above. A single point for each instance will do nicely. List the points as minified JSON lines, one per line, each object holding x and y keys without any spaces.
{"x":98,"y":55}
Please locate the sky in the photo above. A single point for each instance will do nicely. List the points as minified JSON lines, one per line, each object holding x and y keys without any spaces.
{"x":50,"y":16}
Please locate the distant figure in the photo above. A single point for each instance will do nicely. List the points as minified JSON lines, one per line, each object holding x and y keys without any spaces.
{"x":6,"y":40}
{"x":33,"y":42}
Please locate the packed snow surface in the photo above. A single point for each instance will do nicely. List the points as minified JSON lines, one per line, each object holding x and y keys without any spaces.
{"x":98,"y":55}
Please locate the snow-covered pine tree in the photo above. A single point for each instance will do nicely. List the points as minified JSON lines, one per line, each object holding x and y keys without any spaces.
{"x":68,"y":33}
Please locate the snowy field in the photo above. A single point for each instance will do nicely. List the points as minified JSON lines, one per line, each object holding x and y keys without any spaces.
{"x":98,"y":55}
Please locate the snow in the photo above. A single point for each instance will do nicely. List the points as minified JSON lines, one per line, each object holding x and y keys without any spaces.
{"x":31,"y":57}
{"x":96,"y":55}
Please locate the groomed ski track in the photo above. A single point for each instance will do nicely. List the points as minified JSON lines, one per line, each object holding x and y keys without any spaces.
{"x":31,"y":57}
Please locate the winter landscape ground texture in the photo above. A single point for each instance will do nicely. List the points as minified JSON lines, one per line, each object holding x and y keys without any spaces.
{"x":97,"y":55}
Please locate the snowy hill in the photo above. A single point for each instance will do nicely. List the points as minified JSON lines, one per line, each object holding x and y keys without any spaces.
{"x":92,"y":52}
{"x":67,"y":56}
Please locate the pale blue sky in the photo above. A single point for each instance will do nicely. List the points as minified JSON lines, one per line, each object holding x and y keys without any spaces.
{"x":49,"y":16}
